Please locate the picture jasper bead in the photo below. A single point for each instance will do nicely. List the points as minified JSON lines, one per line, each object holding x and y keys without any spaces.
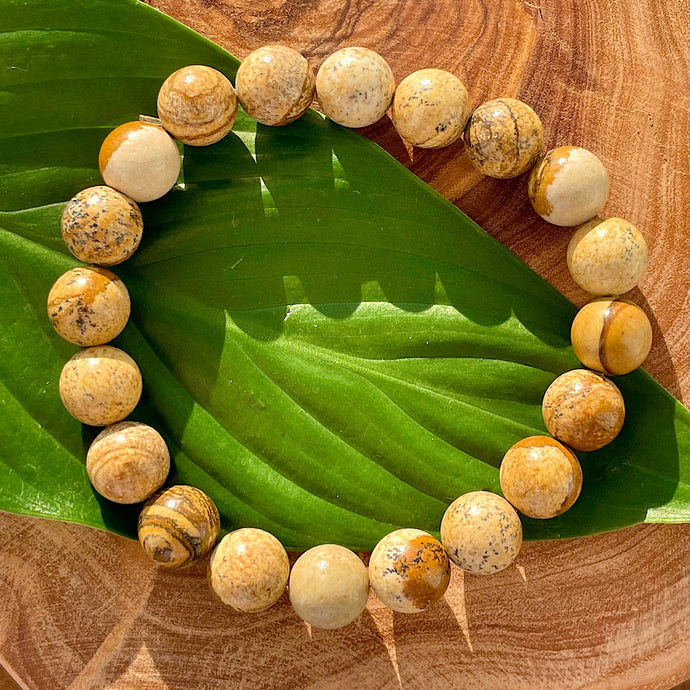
{"x":409,"y":570}
{"x":430,"y":108}
{"x":503,"y":138}
{"x":583,"y":409}
{"x":329,"y":586}
{"x":141,"y":160}
{"x":178,"y":526}
{"x":102,"y":226}
{"x":568,"y":186}
{"x":197,"y":105}
{"x":607,"y":257}
{"x":481,"y":532}
{"x":355,"y":87}
{"x":88,"y":306}
{"x":249,"y":569}
{"x":275,"y":85}
{"x":100,"y":385}
{"x":540,"y":477}
{"x":612,"y":336}
{"x":127,"y":462}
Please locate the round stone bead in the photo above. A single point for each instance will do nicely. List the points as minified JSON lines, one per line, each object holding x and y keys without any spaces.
{"x":409,"y":570}
{"x":607,"y":257}
{"x":100,"y":385}
{"x":481,"y":532}
{"x":88,"y":306}
{"x":329,"y":586}
{"x":583,"y":409}
{"x":178,"y":526}
{"x":503,"y":138}
{"x":430,"y":108}
{"x":611,"y":335}
{"x":102,"y":226}
{"x":568,"y":186}
{"x":540,"y":477}
{"x":275,"y":85}
{"x":355,"y":87}
{"x":249,"y":569}
{"x":127,"y":462}
{"x":197,"y":105}
{"x":141,"y":160}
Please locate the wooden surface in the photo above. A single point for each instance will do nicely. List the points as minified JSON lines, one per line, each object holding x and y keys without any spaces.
{"x":81,"y":608}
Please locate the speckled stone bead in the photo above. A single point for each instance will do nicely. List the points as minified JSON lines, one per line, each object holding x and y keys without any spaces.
{"x":568,"y":186}
{"x":275,"y":85}
{"x":101,"y":226}
{"x":197,"y":105}
{"x":583,"y":409}
{"x":249,"y":569}
{"x":127,"y":462}
{"x":611,"y":335}
{"x":178,"y":526}
{"x":481,"y":532}
{"x":409,"y":570}
{"x":607,"y":257}
{"x":100,"y":385}
{"x":88,"y":305}
{"x":540,"y":477}
{"x":503,"y":138}
{"x":329,"y":586}
{"x":430,"y":108}
{"x":355,"y":87}
{"x":141,"y":160}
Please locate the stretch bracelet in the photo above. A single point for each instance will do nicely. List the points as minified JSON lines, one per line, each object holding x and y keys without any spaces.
{"x":540,"y":476}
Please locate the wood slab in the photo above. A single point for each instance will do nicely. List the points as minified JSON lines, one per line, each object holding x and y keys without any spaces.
{"x":83,"y":609}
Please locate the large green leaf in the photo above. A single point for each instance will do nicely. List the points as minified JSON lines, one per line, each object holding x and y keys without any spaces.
{"x":329,"y":347}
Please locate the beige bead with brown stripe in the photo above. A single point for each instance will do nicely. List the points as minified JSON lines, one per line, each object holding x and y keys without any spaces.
{"x":178,"y":526}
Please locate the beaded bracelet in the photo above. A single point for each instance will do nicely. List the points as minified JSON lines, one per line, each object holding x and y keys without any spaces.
{"x":481,"y":532}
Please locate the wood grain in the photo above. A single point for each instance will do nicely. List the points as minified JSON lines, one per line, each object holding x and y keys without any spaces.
{"x":83,"y":609}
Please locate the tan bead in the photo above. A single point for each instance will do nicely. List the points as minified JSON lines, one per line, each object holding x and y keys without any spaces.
{"x":88,"y":306}
{"x":503,"y":138}
{"x":607,"y":257}
{"x":430,"y":108}
{"x":481,"y":532}
{"x":127,"y":462}
{"x":611,"y":335}
{"x":100,"y":385}
{"x":102,"y":226}
{"x":178,"y":526}
{"x":568,"y":186}
{"x":197,"y":105}
{"x":141,"y":160}
{"x":540,"y":477}
{"x":583,"y":409}
{"x":249,"y":569}
{"x":409,"y":570}
{"x":355,"y":87}
{"x":275,"y":85}
{"x":329,"y":586}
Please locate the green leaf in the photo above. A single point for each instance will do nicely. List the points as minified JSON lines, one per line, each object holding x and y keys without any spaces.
{"x":330,"y":348}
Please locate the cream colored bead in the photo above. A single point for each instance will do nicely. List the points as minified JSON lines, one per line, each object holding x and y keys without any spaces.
{"x":430,"y":108}
{"x":355,"y":87}
{"x":249,"y":569}
{"x":329,"y":586}
{"x":607,"y":257}
{"x":127,"y":462}
{"x":275,"y":85}
{"x":141,"y":160}
{"x":100,"y":385}
{"x":568,"y":186}
{"x":197,"y":105}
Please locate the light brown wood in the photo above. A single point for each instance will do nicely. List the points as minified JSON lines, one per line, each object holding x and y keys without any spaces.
{"x":82,"y":608}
